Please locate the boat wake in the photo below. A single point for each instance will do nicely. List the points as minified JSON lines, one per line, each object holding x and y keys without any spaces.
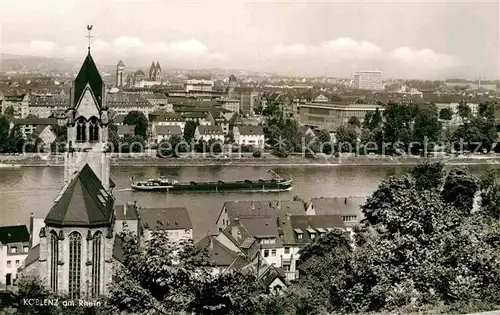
{"x":123,"y":189}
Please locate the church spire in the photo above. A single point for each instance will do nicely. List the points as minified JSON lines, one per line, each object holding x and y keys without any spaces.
{"x":89,"y":36}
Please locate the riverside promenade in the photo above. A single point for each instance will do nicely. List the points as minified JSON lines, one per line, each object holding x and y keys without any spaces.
{"x":246,"y":159}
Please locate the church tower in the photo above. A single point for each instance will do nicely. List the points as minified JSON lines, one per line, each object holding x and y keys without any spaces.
{"x":87,"y":121}
{"x":76,"y":243}
{"x":120,"y":69}
{"x":158,"y":75}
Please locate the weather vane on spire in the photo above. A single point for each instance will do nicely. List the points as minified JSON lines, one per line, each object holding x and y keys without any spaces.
{"x":89,"y":29}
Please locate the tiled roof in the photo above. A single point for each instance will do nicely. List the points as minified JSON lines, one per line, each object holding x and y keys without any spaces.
{"x":168,"y":130}
{"x":88,"y":74}
{"x":210,"y":130}
{"x":139,"y":72}
{"x":305,"y":222}
{"x":265,"y":208}
{"x":118,"y":252}
{"x":261,"y":227}
{"x":35,"y":121}
{"x":194,"y":115}
{"x":165,"y":116}
{"x":338,"y":205}
{"x":126,"y":99}
{"x":33,"y":255}
{"x":14,"y":234}
{"x":219,"y":254}
{"x":250,"y":130}
{"x":124,"y":130}
{"x":118,"y":119}
{"x":38,"y":130}
{"x":130,"y":214}
{"x":82,"y":202}
{"x":165,"y":218}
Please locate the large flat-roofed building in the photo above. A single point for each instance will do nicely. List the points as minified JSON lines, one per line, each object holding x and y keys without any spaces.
{"x":368,"y":80}
{"x":319,"y":115}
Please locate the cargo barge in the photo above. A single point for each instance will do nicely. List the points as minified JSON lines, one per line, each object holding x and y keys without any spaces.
{"x":276,"y":184}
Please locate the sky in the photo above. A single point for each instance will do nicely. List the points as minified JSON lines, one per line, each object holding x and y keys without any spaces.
{"x":420,"y":40}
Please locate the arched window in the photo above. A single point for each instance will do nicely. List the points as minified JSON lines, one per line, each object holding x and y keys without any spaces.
{"x":54,"y":259}
{"x":96,"y":263}
{"x":75,"y":262}
{"x":81,"y":130}
{"x":94,"y":130}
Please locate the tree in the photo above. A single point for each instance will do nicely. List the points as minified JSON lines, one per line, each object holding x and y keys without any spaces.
{"x":426,"y":127}
{"x":137,"y":119}
{"x":347,"y":136}
{"x":132,"y":144}
{"x":464,"y":111}
{"x":446,"y":114}
{"x":460,"y":188}
{"x":229,"y":293}
{"x":16,"y":141}
{"x":325,"y":141}
{"x":9,"y":112}
{"x":173,"y":146}
{"x":215,"y":146}
{"x":4,"y":133}
{"x":428,"y":175}
{"x":189,"y":130}
{"x":354,"y":121}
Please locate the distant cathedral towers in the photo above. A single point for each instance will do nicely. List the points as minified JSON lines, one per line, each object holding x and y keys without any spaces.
{"x":120,"y":72}
{"x":138,"y":78}
{"x":155,"y":72}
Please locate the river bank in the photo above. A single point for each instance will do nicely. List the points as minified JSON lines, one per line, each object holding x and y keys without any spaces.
{"x":271,"y":161}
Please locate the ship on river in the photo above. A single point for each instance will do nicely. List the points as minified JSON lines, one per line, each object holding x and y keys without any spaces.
{"x":162,"y":184}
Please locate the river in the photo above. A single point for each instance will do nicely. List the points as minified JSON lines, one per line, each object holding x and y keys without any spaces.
{"x":28,"y":190}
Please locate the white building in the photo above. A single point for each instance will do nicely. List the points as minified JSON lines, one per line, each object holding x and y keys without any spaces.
{"x":207,"y":133}
{"x":33,"y":128}
{"x":368,"y":80}
{"x":167,"y":119}
{"x":161,"y":133}
{"x":249,"y":135}
{"x":176,"y":221}
{"x":198,"y":85}
{"x":14,"y":247}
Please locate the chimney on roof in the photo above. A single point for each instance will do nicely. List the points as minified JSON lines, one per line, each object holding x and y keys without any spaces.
{"x":210,"y":242}
{"x":345,"y":200}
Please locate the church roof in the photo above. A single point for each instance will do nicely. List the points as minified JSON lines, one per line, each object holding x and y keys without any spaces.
{"x":158,"y":66}
{"x":121,"y":64}
{"x":88,"y":74}
{"x":82,"y":202}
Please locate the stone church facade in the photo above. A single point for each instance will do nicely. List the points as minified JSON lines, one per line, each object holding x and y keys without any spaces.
{"x":74,"y":247}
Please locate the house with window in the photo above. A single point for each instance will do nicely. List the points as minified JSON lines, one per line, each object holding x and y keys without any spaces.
{"x":176,"y":221}
{"x":162,"y":118}
{"x":14,"y":247}
{"x":249,"y":135}
{"x":33,"y":128}
{"x":125,"y":130}
{"x":347,"y":207}
{"x":161,"y":133}
{"x":207,"y":133}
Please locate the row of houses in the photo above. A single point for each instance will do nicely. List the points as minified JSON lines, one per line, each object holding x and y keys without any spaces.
{"x":272,"y":232}
{"x":261,"y":237}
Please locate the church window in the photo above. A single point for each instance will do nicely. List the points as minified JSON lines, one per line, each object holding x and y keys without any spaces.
{"x":54,"y":259}
{"x":93,"y":130}
{"x":96,"y":263}
{"x":81,"y":130}
{"x":75,"y":259}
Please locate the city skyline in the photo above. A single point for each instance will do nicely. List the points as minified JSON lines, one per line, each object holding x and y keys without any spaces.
{"x":403,"y":40}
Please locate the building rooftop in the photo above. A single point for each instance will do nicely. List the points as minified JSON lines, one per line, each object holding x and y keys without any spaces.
{"x":262,"y":208}
{"x":250,"y":130}
{"x":82,"y":202}
{"x":165,"y":218}
{"x":14,"y":234}
{"x":124,"y":130}
{"x":338,"y":205}
{"x":129,"y":214}
{"x":219,"y":254}
{"x":210,"y":130}
{"x":88,"y":74}
{"x":168,"y":130}
{"x":35,"y":121}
